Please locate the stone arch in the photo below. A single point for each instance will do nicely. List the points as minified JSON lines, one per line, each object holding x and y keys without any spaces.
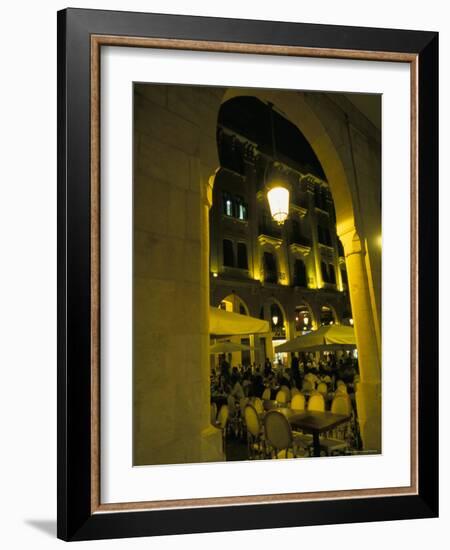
{"x":305,"y":304}
{"x":327,"y":304}
{"x":331,"y":147}
{"x":237,"y":302}
{"x":295,"y":108}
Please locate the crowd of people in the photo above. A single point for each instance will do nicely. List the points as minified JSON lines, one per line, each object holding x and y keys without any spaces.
{"x":305,"y":371}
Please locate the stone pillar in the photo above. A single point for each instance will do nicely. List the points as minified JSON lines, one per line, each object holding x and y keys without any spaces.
{"x":368,"y":396}
{"x":171,"y":398}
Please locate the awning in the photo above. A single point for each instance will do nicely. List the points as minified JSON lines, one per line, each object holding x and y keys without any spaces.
{"x":228,"y":347}
{"x":224,"y":323}
{"x":326,"y":338}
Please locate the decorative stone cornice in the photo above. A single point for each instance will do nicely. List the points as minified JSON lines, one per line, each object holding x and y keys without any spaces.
{"x":299,"y":249}
{"x":268,"y":240}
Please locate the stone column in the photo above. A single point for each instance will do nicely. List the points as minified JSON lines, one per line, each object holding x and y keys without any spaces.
{"x":171,"y":399}
{"x":368,"y":396}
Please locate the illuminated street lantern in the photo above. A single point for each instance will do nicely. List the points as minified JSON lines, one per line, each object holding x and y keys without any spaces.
{"x":275,"y":320}
{"x":278,"y":198}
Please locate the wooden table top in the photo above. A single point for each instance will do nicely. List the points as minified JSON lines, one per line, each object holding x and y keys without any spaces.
{"x":312,"y":421}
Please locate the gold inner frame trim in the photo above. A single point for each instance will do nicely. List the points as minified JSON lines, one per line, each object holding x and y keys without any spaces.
{"x":97,"y":41}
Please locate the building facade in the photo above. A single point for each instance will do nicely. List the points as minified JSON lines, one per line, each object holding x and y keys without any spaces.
{"x":292,"y":275}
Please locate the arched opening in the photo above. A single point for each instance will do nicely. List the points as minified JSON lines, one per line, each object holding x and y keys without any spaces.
{"x":194,"y":258}
{"x":357,"y":265}
{"x":304,"y":321}
{"x":327,"y":316}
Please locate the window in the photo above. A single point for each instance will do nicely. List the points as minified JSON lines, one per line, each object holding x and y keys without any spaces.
{"x":242,"y":262}
{"x":325,"y":275}
{"x":323,"y":235}
{"x":344,"y":276}
{"x":234,"y":206}
{"x":299,"y":273}
{"x":270,"y":268}
{"x":227,"y":204}
{"x":228,"y":253}
{"x":332,"y":274}
{"x":320,"y":236}
{"x":241,"y":209}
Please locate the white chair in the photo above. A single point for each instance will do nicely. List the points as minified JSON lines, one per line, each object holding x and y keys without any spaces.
{"x":341,"y":404}
{"x":281,"y":397}
{"x":266,"y":394}
{"x":255,"y":436}
{"x":279,"y":436}
{"x":308,"y":385}
{"x":287,"y":391}
{"x":298,"y":402}
{"x":258,"y":404}
{"x":316,"y":402}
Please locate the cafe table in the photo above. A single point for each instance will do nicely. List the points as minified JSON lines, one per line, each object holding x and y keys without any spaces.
{"x":312,"y":422}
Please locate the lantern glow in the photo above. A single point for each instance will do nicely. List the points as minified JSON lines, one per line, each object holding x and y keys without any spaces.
{"x":278,"y":198}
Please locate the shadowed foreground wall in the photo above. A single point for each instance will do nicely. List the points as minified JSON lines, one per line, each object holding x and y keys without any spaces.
{"x":171,"y":288}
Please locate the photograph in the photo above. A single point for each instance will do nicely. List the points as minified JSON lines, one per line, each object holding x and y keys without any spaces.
{"x":257,"y":245}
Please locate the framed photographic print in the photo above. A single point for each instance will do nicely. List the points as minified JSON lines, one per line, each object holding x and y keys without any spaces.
{"x":247,"y":274}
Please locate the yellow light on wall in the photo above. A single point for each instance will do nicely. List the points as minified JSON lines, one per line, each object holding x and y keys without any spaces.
{"x":278,"y":198}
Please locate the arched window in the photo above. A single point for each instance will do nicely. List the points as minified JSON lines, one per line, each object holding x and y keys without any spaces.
{"x":270,"y":268}
{"x":299,"y":273}
{"x":228,"y":253}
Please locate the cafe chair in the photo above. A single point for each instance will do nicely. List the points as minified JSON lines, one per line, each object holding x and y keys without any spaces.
{"x":255,"y":433}
{"x":266,"y":394}
{"x":258,"y":404}
{"x":316,"y":403}
{"x":308,"y":385}
{"x":282,"y":442}
{"x":281,"y":397}
{"x":234,"y":418}
{"x":337,"y":442}
{"x":294,"y":391}
{"x":287,"y":391}
{"x":322,"y":388}
{"x":298,"y":402}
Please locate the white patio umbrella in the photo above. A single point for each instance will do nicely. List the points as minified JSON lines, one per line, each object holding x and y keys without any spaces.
{"x":326,"y":338}
{"x":227,"y":347}
{"x":225,"y":323}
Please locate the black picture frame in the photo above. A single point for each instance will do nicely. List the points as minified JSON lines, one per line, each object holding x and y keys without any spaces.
{"x":75,"y":476}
